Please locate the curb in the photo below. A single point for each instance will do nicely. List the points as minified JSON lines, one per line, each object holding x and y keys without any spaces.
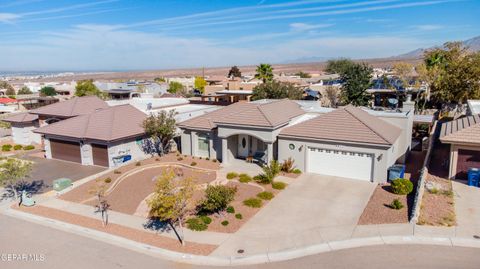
{"x":280,"y":256}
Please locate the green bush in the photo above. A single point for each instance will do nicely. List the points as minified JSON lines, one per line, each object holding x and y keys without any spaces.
{"x":214,"y":160}
{"x":179,"y":159}
{"x":288,"y":165}
{"x":269,"y":173}
{"x":196,"y":224}
{"x":225,"y":222}
{"x":279,"y":185}
{"x":232,"y":175}
{"x":29,"y":147}
{"x":108,"y":180}
{"x":297,"y":171}
{"x":217,"y":198}
{"x":6,"y":147}
{"x":244,"y":178}
{"x":193,"y":163}
{"x":402,"y":186}
{"x":396,"y":204}
{"x":238,"y":216}
{"x":138,"y":163}
{"x":206,"y":219}
{"x":230,"y":209}
{"x":200,"y":158}
{"x":265,"y":195}
{"x":207,"y":159}
{"x":253,"y":202}
{"x":17,"y":147}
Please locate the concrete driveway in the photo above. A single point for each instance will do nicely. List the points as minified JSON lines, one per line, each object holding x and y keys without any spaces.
{"x":44,"y":171}
{"x":467,"y":201}
{"x":313,"y":209}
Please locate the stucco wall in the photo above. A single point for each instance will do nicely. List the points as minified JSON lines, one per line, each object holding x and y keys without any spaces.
{"x":299,"y":154}
{"x":404,"y":143}
{"x":123,"y":147}
{"x":22,"y":134}
{"x":87,"y":154}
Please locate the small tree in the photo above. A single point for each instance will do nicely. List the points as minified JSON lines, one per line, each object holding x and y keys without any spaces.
{"x":87,"y":88}
{"x":13,"y":171}
{"x":338,"y":66}
{"x":176,"y":87}
{"x":171,"y":201}
{"x":9,"y":88}
{"x":332,"y":94}
{"x":217,"y":198}
{"x":403,"y":71}
{"x":234,"y":72}
{"x":48,"y":91}
{"x":24,"y":90}
{"x":159,"y":79}
{"x":276,"y":90}
{"x":302,"y":74}
{"x":200,"y":84}
{"x":264,"y":72}
{"x":161,"y":129}
{"x":102,"y":205}
{"x":356,"y":80}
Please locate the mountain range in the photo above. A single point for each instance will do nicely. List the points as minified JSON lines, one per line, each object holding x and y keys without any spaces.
{"x":473,"y":44}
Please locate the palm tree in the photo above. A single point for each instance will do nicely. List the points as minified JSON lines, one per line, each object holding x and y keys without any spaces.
{"x":264,"y":72}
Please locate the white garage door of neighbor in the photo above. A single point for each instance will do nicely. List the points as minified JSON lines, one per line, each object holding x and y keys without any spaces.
{"x":340,"y":163}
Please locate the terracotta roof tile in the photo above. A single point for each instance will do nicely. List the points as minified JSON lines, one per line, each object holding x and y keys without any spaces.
{"x":462,"y":130}
{"x":73,"y":107}
{"x":21,"y":117}
{"x":349,"y":124}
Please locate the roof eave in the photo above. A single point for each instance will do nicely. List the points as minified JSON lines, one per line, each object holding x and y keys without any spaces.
{"x":332,"y":140}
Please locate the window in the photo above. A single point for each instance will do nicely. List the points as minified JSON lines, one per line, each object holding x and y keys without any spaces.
{"x":291,"y":146}
{"x":203,"y":144}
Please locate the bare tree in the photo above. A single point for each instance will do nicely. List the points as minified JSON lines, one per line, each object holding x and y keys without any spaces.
{"x":332,"y":95}
{"x":102,"y":205}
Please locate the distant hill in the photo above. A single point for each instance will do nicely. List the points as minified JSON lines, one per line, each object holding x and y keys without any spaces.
{"x":472,"y":43}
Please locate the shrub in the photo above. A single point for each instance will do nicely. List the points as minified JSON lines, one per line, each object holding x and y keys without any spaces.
{"x":138,"y":163}
{"x":108,"y":180}
{"x":279,"y":185}
{"x":230,"y":209}
{"x":117,"y":172}
{"x":238,"y":216}
{"x":433,"y":191}
{"x":270,"y":171}
{"x":297,"y":171}
{"x":206,"y":219}
{"x":265,"y":195}
{"x":179,"y":159}
{"x":232,"y":175}
{"x":287,"y":165}
{"x":193,"y":163}
{"x":17,"y":147}
{"x":253,"y":202}
{"x":6,"y":147}
{"x":157,"y":159}
{"x":225,"y":222}
{"x":448,"y":193}
{"x":196,"y":224}
{"x":29,"y":147}
{"x":178,"y":154}
{"x":260,"y":179}
{"x":396,"y":204}
{"x":200,"y":158}
{"x":207,"y":159}
{"x":217,"y":198}
{"x":244,"y":178}
{"x":214,"y":160}
{"x":402,"y":186}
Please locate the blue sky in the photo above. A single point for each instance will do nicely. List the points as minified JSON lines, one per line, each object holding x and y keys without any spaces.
{"x":136,"y":35}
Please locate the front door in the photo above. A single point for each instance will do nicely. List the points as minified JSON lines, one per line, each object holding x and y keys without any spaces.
{"x":243,"y":146}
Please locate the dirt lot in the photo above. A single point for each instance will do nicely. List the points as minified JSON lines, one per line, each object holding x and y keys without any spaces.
{"x":437,"y":206}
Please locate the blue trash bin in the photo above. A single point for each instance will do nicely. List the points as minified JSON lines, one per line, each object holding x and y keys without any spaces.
{"x":473,"y":176}
{"x":396,"y":171}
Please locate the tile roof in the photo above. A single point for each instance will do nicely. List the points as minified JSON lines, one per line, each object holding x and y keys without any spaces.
{"x":349,"y":124}
{"x":73,"y":107}
{"x":108,"y":124}
{"x":269,"y":114}
{"x":21,"y":117}
{"x":463,"y":130}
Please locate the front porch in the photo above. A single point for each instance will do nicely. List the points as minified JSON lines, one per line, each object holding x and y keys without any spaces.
{"x":246,"y":147}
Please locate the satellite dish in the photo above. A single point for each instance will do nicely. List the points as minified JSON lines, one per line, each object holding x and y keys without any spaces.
{"x":393,"y":101}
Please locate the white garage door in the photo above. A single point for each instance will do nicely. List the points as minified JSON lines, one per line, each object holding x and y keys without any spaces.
{"x":340,"y":163}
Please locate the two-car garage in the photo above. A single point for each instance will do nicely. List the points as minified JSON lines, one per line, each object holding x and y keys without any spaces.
{"x":339,"y":163}
{"x":71,"y":151}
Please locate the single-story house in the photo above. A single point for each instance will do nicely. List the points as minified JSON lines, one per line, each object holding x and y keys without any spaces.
{"x":24,"y":123}
{"x":106,"y":137}
{"x":463,"y":135}
{"x":346,"y":142}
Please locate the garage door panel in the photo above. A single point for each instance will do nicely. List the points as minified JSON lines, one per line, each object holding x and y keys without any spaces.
{"x":466,"y":159}
{"x":100,"y":155}
{"x":340,"y":163}
{"x":65,"y":150}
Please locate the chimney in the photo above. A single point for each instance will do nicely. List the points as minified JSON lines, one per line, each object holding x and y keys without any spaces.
{"x":408,"y":105}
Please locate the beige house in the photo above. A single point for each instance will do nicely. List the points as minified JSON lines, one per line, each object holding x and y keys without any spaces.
{"x":463,"y":135}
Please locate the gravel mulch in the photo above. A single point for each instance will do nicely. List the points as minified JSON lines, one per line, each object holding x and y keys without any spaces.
{"x":122,"y":231}
{"x":378,"y":211}
{"x":438,"y":208}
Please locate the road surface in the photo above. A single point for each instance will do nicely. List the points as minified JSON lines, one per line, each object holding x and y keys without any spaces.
{"x":57,"y":249}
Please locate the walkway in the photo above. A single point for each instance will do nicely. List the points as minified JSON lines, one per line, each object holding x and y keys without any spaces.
{"x":467,"y":208}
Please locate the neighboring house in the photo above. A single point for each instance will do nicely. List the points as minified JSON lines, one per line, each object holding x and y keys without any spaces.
{"x":8,"y":105}
{"x":463,"y":135}
{"x":473,"y":107}
{"x":106,"y":137}
{"x":24,"y":123}
{"x":346,"y":142}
